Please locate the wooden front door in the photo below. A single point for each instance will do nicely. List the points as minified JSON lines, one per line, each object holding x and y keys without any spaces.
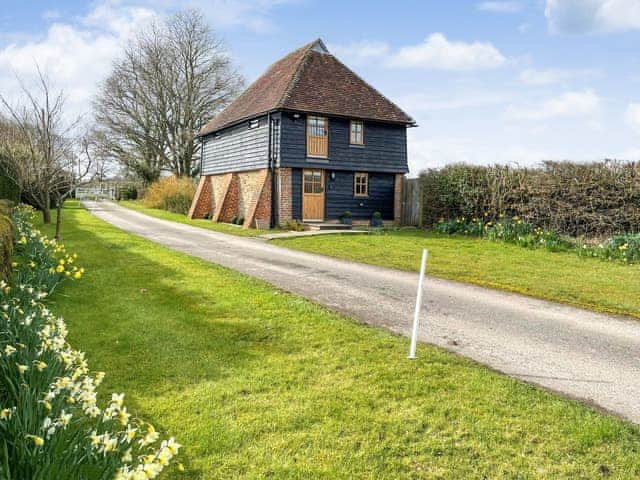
{"x":313,"y":195}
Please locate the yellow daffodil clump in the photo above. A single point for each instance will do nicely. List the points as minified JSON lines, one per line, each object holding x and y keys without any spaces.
{"x":49,"y":383}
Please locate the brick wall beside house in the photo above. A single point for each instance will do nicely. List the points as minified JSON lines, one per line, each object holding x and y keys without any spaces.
{"x":285,"y":204}
{"x":229,"y":209}
{"x":219,"y":187}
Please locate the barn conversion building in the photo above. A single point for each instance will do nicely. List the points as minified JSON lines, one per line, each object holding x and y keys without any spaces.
{"x":308,"y":140}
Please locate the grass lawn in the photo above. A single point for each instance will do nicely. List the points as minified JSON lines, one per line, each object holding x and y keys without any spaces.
{"x":562,"y":277}
{"x":178,"y":217}
{"x":256,"y":383}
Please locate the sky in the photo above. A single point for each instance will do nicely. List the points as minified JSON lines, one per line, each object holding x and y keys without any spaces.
{"x":512,"y":81}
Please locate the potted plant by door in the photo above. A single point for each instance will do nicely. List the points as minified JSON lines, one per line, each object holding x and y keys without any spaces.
{"x":376,"y":219}
{"x":345,"y":218}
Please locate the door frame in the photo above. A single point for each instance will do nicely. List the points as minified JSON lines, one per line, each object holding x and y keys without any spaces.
{"x":323,"y":194}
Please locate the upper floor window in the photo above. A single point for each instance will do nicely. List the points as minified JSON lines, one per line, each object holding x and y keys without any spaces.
{"x":317,"y":136}
{"x":356,"y":132}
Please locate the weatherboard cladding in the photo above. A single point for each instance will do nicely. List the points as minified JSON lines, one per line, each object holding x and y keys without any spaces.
{"x":385,"y":148}
{"x":239,"y":148}
{"x":339,"y":195}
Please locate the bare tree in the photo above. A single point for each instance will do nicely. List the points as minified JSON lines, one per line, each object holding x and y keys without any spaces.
{"x":173,"y":78}
{"x":39,"y":148}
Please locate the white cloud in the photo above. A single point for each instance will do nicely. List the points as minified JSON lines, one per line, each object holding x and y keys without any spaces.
{"x":632,"y":116}
{"x":360,"y":52}
{"x":555,"y":75}
{"x":76,"y":52}
{"x":255,"y":15}
{"x":499,"y":6}
{"x":117,"y":20}
{"x":569,"y":104}
{"x":74,"y":56}
{"x":438,"y":53}
{"x":588,"y":16}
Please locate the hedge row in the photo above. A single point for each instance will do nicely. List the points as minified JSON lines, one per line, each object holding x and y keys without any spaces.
{"x":8,"y":189}
{"x":593,"y":199}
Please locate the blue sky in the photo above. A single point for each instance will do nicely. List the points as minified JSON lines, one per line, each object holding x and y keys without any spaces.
{"x":487,"y":81}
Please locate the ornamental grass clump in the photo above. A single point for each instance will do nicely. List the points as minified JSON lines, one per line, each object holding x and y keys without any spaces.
{"x":51,"y":425}
{"x":170,"y":193}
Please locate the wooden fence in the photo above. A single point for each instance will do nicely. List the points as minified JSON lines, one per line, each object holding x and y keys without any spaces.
{"x":412,"y":202}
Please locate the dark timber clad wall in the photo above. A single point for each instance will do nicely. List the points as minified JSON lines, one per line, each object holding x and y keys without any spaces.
{"x":238,"y":148}
{"x":339,"y":195}
{"x":385,"y":148}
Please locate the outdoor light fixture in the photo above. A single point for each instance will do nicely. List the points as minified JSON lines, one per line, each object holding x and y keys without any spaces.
{"x":333,"y":175}
{"x":296,"y":115}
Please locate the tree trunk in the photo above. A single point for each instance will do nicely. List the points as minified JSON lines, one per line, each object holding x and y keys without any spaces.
{"x":58,"y":219}
{"x":46,"y":210}
{"x":46,"y":216}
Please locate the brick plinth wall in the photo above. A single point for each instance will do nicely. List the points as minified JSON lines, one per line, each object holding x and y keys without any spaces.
{"x":285,"y":202}
{"x":230,"y":196}
{"x":201,"y":206}
{"x":398,"y":199}
{"x":229,"y":204}
{"x":261,"y":216}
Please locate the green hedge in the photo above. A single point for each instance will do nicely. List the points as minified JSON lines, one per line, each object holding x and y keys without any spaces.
{"x":8,"y":189}
{"x":592,"y":199}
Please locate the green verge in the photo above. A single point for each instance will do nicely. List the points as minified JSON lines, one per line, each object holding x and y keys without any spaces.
{"x":257,"y":383}
{"x":558,"y":276}
{"x":178,"y":217}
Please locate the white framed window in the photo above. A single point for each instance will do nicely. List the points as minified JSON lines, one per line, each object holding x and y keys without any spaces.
{"x":361,"y":184}
{"x":356,"y":132}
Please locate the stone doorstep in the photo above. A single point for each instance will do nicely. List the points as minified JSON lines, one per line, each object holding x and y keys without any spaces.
{"x":311,"y":233}
{"x":326,"y":226}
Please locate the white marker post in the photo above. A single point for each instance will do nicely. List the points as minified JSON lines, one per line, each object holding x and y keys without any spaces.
{"x":416,"y":313}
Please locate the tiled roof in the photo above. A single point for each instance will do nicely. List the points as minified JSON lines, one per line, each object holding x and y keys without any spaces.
{"x":310,"y":79}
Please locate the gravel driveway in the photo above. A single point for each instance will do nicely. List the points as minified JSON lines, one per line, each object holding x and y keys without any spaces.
{"x":590,"y":356}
